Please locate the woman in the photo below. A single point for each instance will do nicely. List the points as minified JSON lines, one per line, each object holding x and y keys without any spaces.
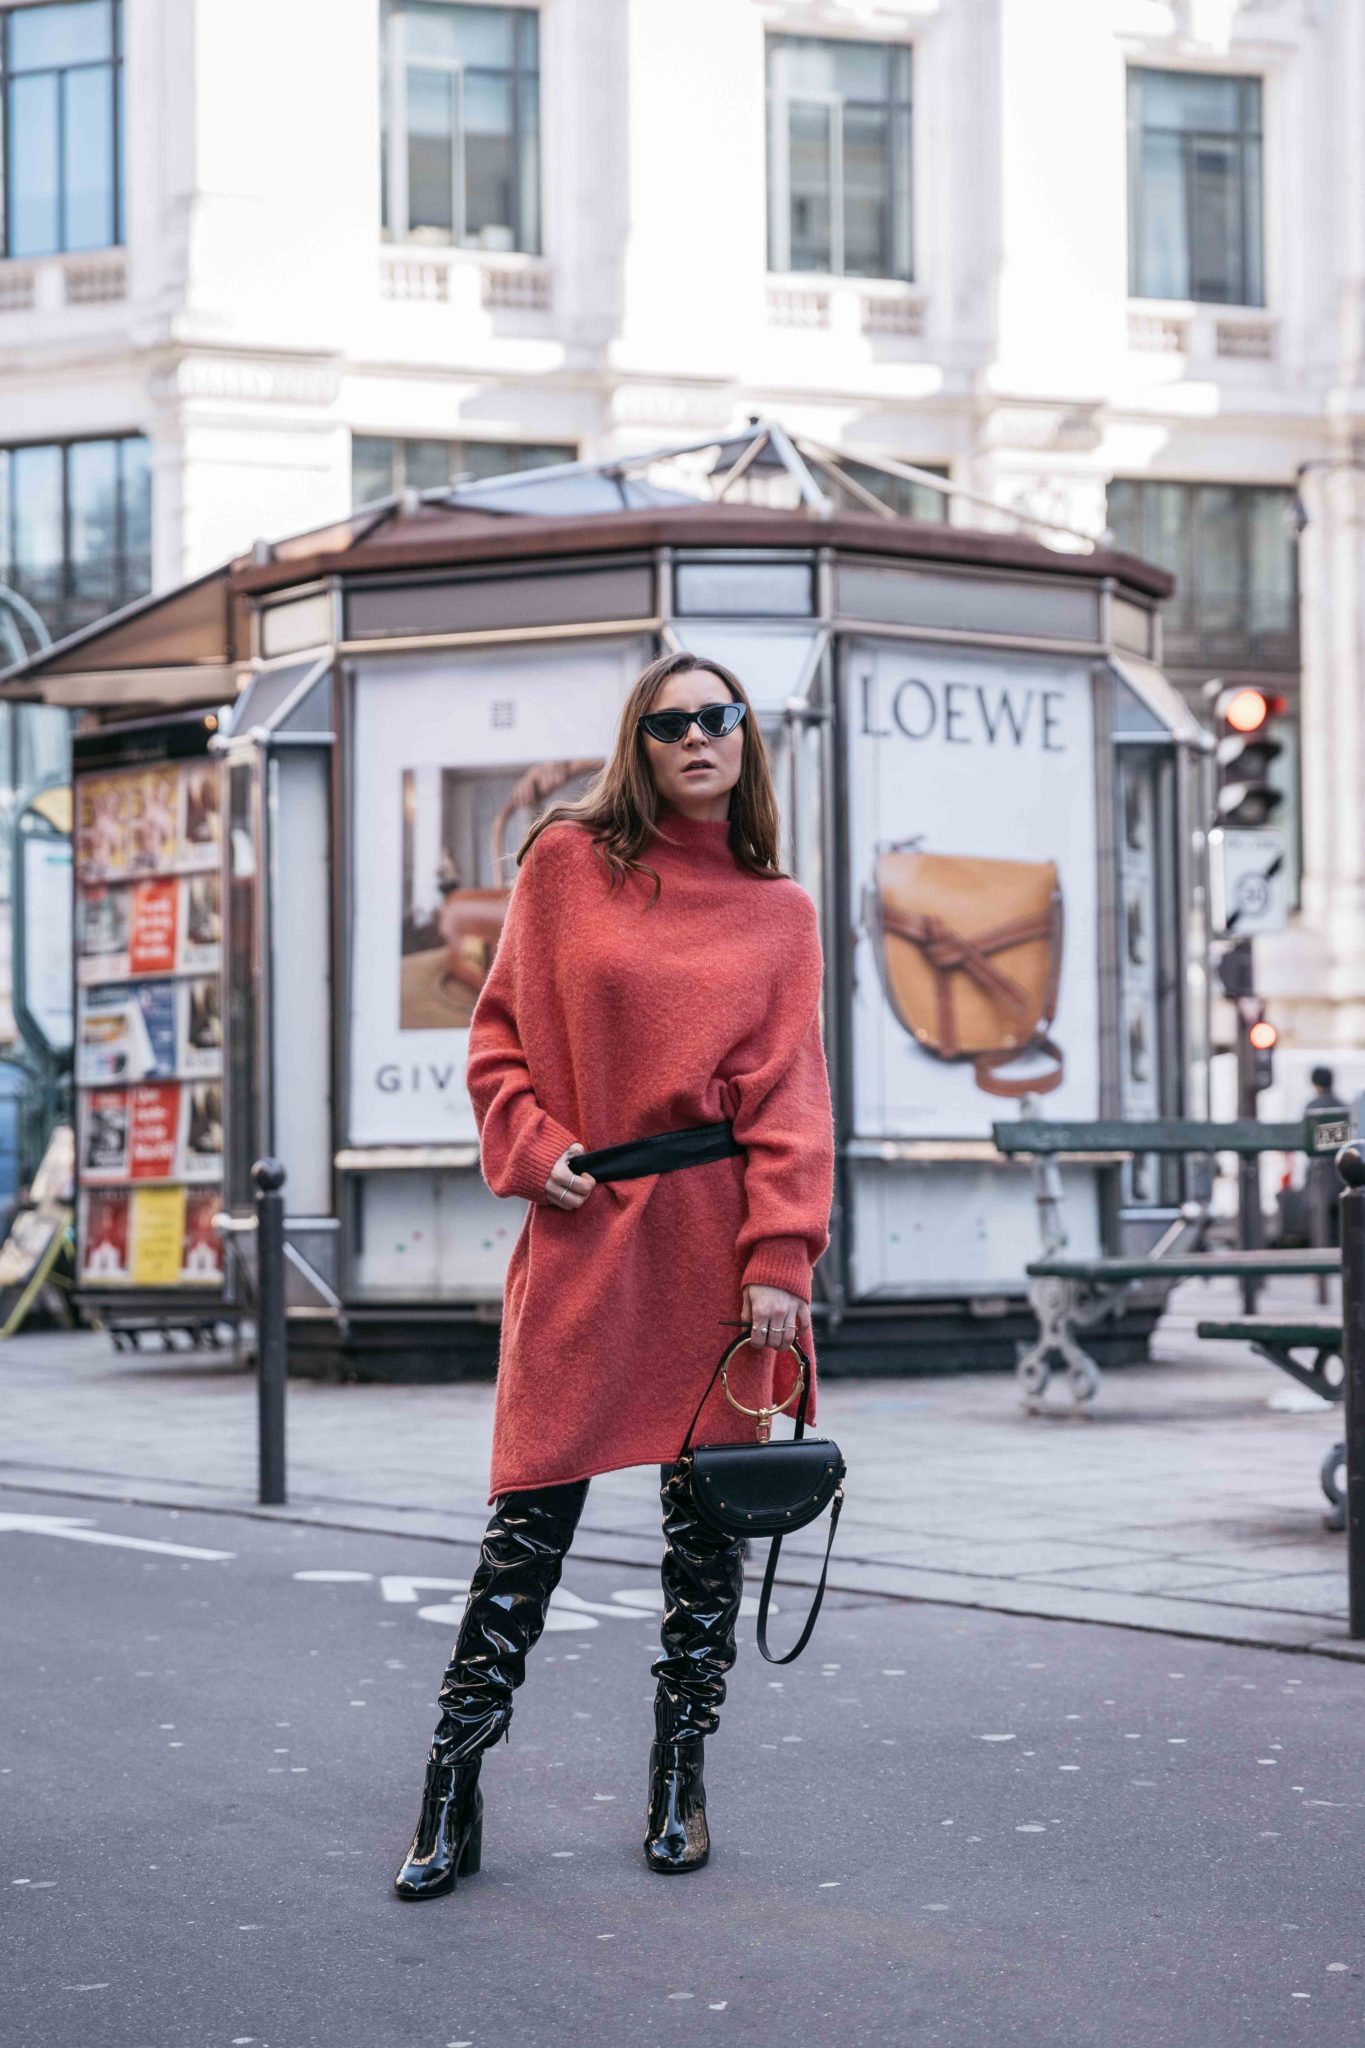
{"x":657,"y":979}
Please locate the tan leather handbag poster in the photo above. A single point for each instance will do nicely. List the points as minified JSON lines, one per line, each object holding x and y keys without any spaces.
{"x":970,"y":955}
{"x":973,"y":883}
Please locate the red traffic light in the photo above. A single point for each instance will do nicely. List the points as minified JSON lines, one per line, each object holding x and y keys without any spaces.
{"x":1263,"y":1035}
{"x":1245,"y":711}
{"x":1248,"y":746}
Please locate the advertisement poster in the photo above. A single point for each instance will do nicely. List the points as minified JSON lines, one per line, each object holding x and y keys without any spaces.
{"x":157,"y":1236}
{"x":138,"y":821}
{"x":127,"y":1032}
{"x":974,"y":977}
{"x":103,"y":1235}
{"x":201,"y":921}
{"x":454,"y":755}
{"x":113,"y":1044}
{"x":201,"y":1260}
{"x":165,"y":926}
{"x":104,"y":1134}
{"x":452,"y":922}
{"x":102,"y":914}
{"x":101,"y":838}
{"x":151,"y":1237}
{"x":152,"y":920}
{"x":150,"y":824}
{"x":972,"y":860}
{"x":154,"y":1140}
{"x":200,"y":1026}
{"x":200,"y":816}
{"x":201,"y":1131}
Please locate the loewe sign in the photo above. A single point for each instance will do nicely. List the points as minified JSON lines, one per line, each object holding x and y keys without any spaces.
{"x":964,"y":714}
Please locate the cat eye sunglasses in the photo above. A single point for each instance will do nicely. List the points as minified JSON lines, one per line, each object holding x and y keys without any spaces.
{"x":715,"y":720}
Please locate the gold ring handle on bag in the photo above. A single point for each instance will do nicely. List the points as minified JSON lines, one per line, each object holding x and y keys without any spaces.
{"x":763,"y":1417}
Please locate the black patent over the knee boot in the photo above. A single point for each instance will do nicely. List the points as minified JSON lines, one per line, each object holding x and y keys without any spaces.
{"x":519,"y":1566}
{"x":676,"y":1834}
{"x":448,"y":1843}
{"x":703,"y":1583}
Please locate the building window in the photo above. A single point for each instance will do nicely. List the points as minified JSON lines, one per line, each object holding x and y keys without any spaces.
{"x":380,"y":465}
{"x":63,"y":127}
{"x":839,"y":157}
{"x":1194,"y":188}
{"x":461,"y":156}
{"x":76,"y":527}
{"x":1230,"y":548}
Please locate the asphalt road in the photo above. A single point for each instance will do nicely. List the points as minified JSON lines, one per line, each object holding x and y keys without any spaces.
{"x":938,"y":1826}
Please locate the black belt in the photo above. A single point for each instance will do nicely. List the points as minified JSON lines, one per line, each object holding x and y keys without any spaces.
{"x":665,"y":1152}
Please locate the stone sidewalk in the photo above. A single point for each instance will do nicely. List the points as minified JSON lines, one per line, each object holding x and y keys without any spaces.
{"x":1187,"y":1502}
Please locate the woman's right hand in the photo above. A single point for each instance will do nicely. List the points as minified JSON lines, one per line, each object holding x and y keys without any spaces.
{"x":565,"y":1189}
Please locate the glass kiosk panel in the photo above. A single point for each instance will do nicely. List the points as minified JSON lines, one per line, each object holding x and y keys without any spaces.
{"x":244,"y":1126}
{"x":299,"y":781}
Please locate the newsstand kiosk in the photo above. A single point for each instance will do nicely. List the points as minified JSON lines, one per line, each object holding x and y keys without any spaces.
{"x":301,"y":784}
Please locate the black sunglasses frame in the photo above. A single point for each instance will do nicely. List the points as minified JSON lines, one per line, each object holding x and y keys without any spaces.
{"x":732,"y":704}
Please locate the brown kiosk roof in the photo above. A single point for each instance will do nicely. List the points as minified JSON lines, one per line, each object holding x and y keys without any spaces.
{"x":203,"y":624}
{"x":435,"y":535}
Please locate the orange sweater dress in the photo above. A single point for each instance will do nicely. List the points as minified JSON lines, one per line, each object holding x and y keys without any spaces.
{"x":603,"y":1018}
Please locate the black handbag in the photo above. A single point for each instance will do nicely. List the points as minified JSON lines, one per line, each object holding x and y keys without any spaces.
{"x":767,"y":1488}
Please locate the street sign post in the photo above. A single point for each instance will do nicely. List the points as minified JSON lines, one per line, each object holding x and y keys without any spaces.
{"x":1249,"y":881}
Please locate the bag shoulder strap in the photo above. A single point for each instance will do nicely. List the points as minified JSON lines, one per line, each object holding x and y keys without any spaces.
{"x":992,"y":1080}
{"x":766,"y":1595}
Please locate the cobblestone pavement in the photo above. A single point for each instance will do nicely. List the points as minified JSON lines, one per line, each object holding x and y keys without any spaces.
{"x":1188,"y":1500}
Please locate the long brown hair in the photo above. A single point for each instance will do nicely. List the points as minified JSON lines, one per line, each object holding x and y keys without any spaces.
{"x":621,"y":805}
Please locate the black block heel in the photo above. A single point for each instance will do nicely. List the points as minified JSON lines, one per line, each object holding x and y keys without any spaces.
{"x":472,"y":1855}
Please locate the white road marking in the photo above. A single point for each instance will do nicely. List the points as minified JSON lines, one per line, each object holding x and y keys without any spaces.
{"x":578,"y":1605}
{"x":568,"y":1611}
{"x":77,"y":1530}
{"x":650,"y":1600}
{"x":403,"y":1589}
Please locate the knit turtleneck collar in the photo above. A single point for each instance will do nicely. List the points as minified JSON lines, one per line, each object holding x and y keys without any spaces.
{"x":695,"y":839}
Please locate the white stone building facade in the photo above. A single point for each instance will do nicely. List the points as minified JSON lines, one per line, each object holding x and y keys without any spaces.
{"x":1102,"y":260}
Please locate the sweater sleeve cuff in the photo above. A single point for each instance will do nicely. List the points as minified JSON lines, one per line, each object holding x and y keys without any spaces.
{"x":538,"y":1156}
{"x":779,"y":1262}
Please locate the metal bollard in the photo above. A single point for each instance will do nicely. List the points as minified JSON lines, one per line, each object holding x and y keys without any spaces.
{"x":272,"y":1342}
{"x":1351,"y":1167}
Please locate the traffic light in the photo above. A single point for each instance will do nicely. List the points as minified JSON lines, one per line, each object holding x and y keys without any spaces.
{"x":1247,"y":749}
{"x":1261,"y":1038}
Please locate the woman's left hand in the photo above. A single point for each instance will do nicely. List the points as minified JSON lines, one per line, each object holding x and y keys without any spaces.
{"x":776,"y":1317}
